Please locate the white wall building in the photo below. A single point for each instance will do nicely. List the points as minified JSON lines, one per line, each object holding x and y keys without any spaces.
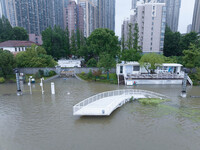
{"x":16,"y":46}
{"x":132,"y":73}
{"x":69,"y":63}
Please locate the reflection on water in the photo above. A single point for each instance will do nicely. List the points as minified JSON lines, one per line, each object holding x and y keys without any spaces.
{"x":46,"y":122}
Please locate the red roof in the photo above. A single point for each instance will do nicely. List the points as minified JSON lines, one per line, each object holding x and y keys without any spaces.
{"x":17,"y":44}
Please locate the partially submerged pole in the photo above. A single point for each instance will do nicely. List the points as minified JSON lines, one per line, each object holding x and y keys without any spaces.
{"x":29,"y":84}
{"x":19,"y":91}
{"x":52,"y":88}
{"x":41,"y":84}
{"x":184,"y":87}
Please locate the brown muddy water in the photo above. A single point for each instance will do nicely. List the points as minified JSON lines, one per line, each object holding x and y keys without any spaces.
{"x":45,"y":122}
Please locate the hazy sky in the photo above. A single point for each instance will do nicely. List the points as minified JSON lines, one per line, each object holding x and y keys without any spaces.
{"x":123,"y":11}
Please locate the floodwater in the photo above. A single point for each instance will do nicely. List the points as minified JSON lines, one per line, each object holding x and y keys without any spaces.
{"x":45,"y":122}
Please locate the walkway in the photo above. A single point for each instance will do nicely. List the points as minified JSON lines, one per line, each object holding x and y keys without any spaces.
{"x":105,"y":103}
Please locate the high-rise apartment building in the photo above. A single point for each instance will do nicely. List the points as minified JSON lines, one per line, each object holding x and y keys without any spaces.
{"x":125,"y":30}
{"x":34,"y":15}
{"x":134,"y":2}
{"x":89,"y":16}
{"x":74,"y":18}
{"x":189,"y":28}
{"x":106,"y":14}
{"x":196,"y":17}
{"x":172,"y":12}
{"x":1,"y":11}
{"x":151,"y":19}
{"x":9,"y":11}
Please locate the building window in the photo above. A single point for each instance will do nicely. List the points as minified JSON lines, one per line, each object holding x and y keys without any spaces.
{"x":152,"y":18}
{"x":136,"y":68}
{"x":150,"y":48}
{"x":121,"y":69}
{"x":15,"y":49}
{"x":153,"y":7}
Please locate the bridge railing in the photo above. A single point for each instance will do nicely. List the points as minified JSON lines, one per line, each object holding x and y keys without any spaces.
{"x":115,"y":93}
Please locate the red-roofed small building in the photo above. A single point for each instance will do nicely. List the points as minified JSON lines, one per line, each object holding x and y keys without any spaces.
{"x":16,"y":46}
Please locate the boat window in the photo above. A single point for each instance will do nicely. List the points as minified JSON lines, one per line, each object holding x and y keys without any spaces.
{"x":121,"y":69}
{"x":136,"y":68}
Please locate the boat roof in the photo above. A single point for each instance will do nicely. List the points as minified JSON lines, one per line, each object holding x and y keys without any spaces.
{"x":172,"y":65}
{"x":134,"y":63}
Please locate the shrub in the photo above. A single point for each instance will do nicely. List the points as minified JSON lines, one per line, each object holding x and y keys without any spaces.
{"x":82,"y":73}
{"x":41,"y":72}
{"x":97,"y":73}
{"x":89,"y":75}
{"x":2,"y":80}
{"x":37,"y":75}
{"x":46,"y":73}
{"x":92,"y":63}
{"x":52,"y":73}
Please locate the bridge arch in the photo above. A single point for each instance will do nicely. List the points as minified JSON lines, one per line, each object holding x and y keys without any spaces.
{"x":103,"y":104}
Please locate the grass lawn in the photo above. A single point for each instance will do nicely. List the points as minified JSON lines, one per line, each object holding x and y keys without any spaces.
{"x":151,"y":101}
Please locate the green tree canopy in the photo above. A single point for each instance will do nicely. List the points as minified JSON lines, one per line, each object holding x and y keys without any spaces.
{"x":55,"y":41}
{"x":20,"y":33}
{"x":172,"y":43}
{"x":34,"y":57}
{"x":106,"y":62}
{"x":191,"y":58}
{"x":175,"y":43}
{"x":7,"y":63}
{"x":186,"y":40}
{"x":92,"y":63}
{"x":131,"y":55}
{"x":102,"y":40}
{"x":9,"y":33}
{"x":6,"y":31}
{"x":151,"y":61}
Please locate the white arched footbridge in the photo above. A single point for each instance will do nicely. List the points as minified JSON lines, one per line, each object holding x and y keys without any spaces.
{"x":103,"y":104}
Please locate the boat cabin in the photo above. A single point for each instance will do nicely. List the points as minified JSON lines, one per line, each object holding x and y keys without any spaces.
{"x":131,"y":68}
